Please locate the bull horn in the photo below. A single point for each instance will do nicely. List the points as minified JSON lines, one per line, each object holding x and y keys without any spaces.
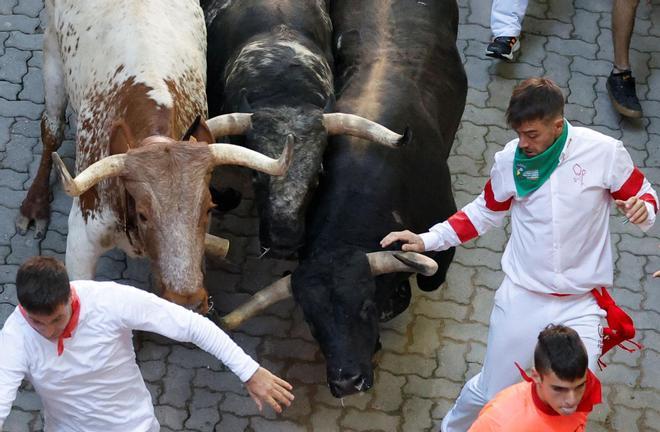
{"x":229,"y":154}
{"x":393,"y":262}
{"x":107,"y":167}
{"x":360,"y":127}
{"x":275,"y":292}
{"x":230,"y":124}
{"x":216,"y":246}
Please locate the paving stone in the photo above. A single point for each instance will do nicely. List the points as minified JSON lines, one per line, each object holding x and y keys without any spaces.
{"x":220,"y":382}
{"x":408,"y":364}
{"x":387,"y":395}
{"x":20,"y":23}
{"x":650,"y":379}
{"x":12,"y":68}
{"x":586,"y":25}
{"x":325,"y":419}
{"x":416,"y":412}
{"x":232,"y":423}
{"x":482,"y":304}
{"x":29,"y":7}
{"x":240,"y":405}
{"x":153,"y":370}
{"x":26,"y":42}
{"x":451,"y":360}
{"x":307,"y":373}
{"x":7,"y":6}
{"x":628,"y":421}
{"x":290,"y":349}
{"x":425,"y":339}
{"x":9,"y":90}
{"x":372,"y":421}
{"x":202,"y":419}
{"x":18,"y":421}
{"x":431,"y":387}
{"x":556,"y":67}
{"x":170,"y":417}
{"x":261,"y":425}
{"x":33,"y":87}
{"x":547,"y":27}
{"x":19,"y":108}
{"x":28,"y":401}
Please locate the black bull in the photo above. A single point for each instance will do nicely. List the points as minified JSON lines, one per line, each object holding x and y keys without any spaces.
{"x":396,"y":63}
{"x":273,"y":58}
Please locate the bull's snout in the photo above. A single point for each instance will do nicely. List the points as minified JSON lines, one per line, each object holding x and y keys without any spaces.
{"x":197,"y":301}
{"x":348,"y":385}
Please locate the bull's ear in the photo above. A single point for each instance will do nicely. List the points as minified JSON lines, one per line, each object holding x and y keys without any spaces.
{"x":200,"y":131}
{"x":121,"y":138}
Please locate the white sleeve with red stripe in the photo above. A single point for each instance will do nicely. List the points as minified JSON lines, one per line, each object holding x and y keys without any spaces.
{"x":486,"y":211}
{"x":626,"y":181}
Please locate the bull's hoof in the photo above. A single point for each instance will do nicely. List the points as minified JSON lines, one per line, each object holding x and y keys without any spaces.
{"x":23,"y":224}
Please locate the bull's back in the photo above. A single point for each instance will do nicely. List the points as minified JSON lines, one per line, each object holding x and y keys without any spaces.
{"x":256,"y":40}
{"x":397,"y":64}
{"x":105,"y":43}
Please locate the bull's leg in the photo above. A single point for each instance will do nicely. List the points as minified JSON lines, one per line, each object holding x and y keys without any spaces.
{"x":431,"y":283}
{"x":86,"y":241}
{"x":36,"y":206}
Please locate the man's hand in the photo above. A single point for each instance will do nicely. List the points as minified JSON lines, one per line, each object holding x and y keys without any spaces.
{"x":263,"y":386}
{"x":634,"y":209}
{"x":411,"y":241}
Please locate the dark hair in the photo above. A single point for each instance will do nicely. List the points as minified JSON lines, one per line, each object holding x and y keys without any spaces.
{"x":534,"y":99}
{"x":42,"y":285}
{"x":559,"y":349}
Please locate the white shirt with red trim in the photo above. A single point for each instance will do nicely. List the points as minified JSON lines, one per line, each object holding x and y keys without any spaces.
{"x":560,"y":240}
{"x":95,"y":385}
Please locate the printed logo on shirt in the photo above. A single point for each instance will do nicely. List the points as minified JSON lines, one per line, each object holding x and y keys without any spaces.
{"x":528,"y":174}
{"x":579,"y":174}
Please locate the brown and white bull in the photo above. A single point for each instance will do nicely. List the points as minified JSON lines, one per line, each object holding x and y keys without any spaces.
{"x":134,"y":72}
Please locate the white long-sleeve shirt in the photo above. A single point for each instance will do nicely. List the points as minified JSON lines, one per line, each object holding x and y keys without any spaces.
{"x":560,"y":240}
{"x":95,"y":385}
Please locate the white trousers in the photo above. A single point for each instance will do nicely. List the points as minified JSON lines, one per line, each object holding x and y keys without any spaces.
{"x":506,"y":17}
{"x":517,"y":318}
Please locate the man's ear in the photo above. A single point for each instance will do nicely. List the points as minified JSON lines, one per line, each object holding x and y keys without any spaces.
{"x":536,"y":376}
{"x":121,"y":138}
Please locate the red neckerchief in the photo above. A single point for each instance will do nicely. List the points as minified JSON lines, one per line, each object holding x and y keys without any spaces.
{"x":70,"y":326}
{"x":621,"y":327}
{"x":592,"y":394}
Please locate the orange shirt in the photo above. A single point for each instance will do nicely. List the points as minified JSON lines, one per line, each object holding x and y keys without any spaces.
{"x":519,"y":409}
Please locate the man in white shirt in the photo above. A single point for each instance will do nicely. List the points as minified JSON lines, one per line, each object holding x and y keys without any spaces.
{"x":558,"y":181}
{"x":73,"y":342}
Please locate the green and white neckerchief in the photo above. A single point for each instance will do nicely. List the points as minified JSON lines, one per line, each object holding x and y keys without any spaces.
{"x":529,"y":173}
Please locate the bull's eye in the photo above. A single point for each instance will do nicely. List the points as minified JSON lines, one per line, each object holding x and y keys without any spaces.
{"x":142,"y":217}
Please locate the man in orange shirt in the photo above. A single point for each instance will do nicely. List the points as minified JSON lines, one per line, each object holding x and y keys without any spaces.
{"x":558,"y":396}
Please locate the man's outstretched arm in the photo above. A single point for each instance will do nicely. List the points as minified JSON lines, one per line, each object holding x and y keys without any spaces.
{"x":144,"y":311}
{"x":473,"y":220}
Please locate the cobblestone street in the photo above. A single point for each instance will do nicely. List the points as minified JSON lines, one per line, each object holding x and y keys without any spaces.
{"x":438,"y":343}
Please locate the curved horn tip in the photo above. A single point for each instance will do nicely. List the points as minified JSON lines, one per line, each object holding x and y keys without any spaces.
{"x":68,"y":184}
{"x":406,"y":138}
{"x":422,"y":264}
